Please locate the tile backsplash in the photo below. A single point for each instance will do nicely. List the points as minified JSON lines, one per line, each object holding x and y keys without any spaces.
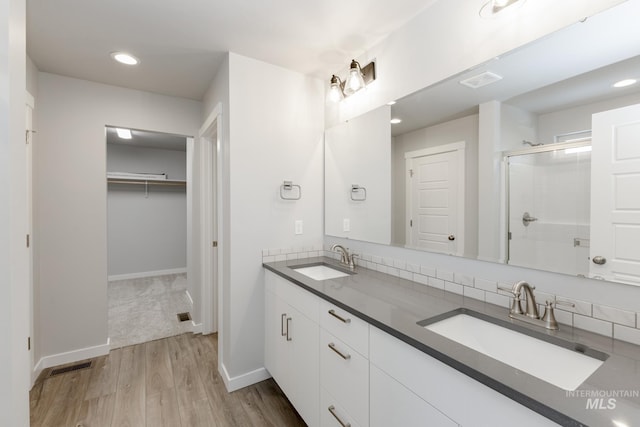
{"x":600,"y":319}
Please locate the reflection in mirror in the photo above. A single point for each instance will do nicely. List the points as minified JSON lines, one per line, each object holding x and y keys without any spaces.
{"x":469,"y":151}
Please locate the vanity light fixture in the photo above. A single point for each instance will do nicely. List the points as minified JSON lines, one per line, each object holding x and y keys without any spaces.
{"x":125,"y":58}
{"x":493,"y":7}
{"x":123,"y":133}
{"x":358,"y":78}
{"x":625,"y":83}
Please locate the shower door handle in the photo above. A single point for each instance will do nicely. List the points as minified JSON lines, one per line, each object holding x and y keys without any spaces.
{"x":600,"y":260}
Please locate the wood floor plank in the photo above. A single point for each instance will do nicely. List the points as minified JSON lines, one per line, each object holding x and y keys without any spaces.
{"x":66,"y":402}
{"x":130,"y":405}
{"x":159,"y":374}
{"x":104,"y":375}
{"x":162,"y":409}
{"x":227,"y":408}
{"x":97,"y":411}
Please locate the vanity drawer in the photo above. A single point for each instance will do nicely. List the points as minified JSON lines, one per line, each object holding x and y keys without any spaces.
{"x":344,"y":373}
{"x":346,"y":327}
{"x":332,"y":414}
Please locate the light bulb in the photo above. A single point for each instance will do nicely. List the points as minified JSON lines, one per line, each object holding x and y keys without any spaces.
{"x":335,"y":91}
{"x":355,"y":81}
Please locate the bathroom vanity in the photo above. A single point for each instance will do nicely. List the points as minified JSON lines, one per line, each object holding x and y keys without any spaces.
{"x":356,"y":348}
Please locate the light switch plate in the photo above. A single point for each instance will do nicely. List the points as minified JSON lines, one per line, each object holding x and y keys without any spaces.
{"x":299,"y":226}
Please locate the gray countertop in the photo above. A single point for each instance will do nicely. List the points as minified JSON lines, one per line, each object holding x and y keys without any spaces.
{"x":396,"y":305}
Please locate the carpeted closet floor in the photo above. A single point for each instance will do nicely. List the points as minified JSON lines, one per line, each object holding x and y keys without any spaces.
{"x":146,"y":309}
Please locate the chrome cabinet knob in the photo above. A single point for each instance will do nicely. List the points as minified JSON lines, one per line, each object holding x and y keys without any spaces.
{"x":600,"y":260}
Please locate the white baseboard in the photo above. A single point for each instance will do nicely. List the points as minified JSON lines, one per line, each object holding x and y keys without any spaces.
{"x":244,"y":380}
{"x":146,"y":274}
{"x":196,"y":327}
{"x":68,"y":357}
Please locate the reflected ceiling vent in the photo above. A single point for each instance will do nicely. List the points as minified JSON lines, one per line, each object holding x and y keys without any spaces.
{"x":480,"y":80}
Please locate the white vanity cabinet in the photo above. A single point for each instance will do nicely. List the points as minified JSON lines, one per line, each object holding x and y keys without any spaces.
{"x":392,"y":404}
{"x":344,"y":368}
{"x":338,"y":370}
{"x":291,"y":344}
{"x":459,"y":398}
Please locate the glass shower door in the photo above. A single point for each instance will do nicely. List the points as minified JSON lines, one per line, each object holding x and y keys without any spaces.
{"x":548,"y":204}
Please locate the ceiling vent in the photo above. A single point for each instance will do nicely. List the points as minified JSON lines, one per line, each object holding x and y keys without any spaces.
{"x":480,"y":80}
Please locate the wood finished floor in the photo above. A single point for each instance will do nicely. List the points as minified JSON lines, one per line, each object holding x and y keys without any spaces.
{"x":171,"y":382}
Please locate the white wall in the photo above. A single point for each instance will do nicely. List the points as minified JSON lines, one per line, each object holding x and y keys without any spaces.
{"x":14,"y":303}
{"x":359,"y":152}
{"x":146,"y":234}
{"x":578,"y":118}
{"x":275,"y":133}
{"x":463,"y":129}
{"x":71,"y":194}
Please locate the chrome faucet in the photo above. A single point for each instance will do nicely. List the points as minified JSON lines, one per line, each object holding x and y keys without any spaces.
{"x":345,"y":258}
{"x":532,"y":307}
{"x":531,"y":314}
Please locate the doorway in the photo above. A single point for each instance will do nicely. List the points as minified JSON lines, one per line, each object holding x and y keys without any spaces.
{"x":148,"y":231}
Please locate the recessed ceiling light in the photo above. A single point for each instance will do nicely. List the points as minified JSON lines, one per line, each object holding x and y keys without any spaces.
{"x":123,"y":133}
{"x":395,"y":121}
{"x":625,"y":83}
{"x":125,"y":58}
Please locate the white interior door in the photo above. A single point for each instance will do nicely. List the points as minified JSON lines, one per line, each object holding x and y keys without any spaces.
{"x":435,"y":195}
{"x":615,"y":200}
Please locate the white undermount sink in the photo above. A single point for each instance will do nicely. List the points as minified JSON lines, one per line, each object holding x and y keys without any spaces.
{"x":320,"y":272}
{"x":562,"y":367}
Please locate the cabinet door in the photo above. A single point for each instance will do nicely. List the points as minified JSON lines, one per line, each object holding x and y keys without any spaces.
{"x":392,"y":404}
{"x":276,"y":350}
{"x":303,"y":340}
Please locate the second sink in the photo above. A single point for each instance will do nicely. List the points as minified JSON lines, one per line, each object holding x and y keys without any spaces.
{"x":565,"y":365}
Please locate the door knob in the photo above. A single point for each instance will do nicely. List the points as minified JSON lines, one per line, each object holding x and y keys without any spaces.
{"x":600,"y":260}
{"x":451,"y":237}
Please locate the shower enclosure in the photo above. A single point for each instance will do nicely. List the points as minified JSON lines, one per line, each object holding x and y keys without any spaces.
{"x":547,"y":201}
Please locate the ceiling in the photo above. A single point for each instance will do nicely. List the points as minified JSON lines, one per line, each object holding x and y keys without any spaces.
{"x":181,"y":44}
{"x":148,"y":139}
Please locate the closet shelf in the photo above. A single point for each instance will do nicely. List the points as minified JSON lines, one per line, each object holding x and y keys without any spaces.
{"x":173,"y":182}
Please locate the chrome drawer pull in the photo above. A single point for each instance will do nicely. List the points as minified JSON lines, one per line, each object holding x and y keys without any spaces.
{"x":288,"y":337}
{"x":332,"y":409}
{"x":282,"y":332}
{"x":332,"y":346}
{"x":337,"y":316}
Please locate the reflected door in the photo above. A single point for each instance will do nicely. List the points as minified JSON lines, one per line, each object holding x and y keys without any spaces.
{"x":433,"y":199}
{"x":615,"y":207}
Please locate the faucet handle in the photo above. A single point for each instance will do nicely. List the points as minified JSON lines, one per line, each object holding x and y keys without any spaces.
{"x":505,"y":289}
